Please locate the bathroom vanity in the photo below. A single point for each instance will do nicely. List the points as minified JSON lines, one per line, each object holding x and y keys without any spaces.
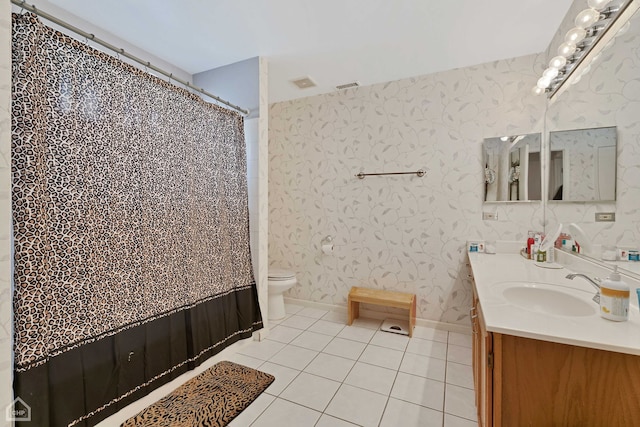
{"x":542,"y":355}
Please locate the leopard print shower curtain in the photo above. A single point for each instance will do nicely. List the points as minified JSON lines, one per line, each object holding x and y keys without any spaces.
{"x":129,"y":206}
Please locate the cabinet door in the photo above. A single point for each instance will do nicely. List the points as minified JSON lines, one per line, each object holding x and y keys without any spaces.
{"x":476,"y":344}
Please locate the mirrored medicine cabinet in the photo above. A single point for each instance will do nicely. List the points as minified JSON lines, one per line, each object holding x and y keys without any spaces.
{"x":512,"y":168}
{"x":582,"y":165}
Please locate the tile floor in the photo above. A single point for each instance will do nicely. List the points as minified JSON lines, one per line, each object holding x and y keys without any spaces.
{"x":332,"y":375}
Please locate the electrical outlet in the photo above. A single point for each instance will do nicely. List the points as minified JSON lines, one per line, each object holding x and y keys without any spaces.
{"x":493,"y":216}
{"x":605,"y":216}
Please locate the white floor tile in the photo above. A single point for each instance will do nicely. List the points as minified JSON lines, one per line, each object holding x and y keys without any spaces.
{"x":271,"y":323}
{"x":356,"y":405}
{"x":298,"y":322}
{"x":311,"y":391}
{"x":312,"y":312}
{"x":390,"y":340}
{"x":363,"y":322}
{"x":405,"y":414}
{"x":241,"y":359}
{"x":329,"y":366}
{"x":312,"y":340}
{"x":431,"y":334}
{"x":453,"y":421}
{"x":262,"y":349}
{"x":345,"y":348}
{"x":458,"y":354}
{"x":356,"y":334}
{"x":427,"y":348}
{"x":329,"y":421}
{"x":463,"y":340}
{"x":371,"y":377}
{"x":336,"y":317}
{"x":294,"y":357}
{"x":423,"y":366}
{"x":253,"y":411}
{"x":380,"y":356}
{"x":419,"y":390}
{"x":358,"y":375}
{"x":460,"y":375}
{"x":460,"y":401}
{"x":284,"y":413}
{"x":326,"y":327}
{"x":283,"y":334}
{"x":292,"y":308}
{"x":283,"y":374}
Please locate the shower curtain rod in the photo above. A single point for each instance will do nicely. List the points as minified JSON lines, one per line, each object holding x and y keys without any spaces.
{"x":23,"y":4}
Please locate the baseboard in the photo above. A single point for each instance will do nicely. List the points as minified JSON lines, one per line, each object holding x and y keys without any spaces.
{"x":371,"y":314}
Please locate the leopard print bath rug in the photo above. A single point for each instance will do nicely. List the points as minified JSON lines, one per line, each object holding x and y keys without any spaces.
{"x":213,"y":398}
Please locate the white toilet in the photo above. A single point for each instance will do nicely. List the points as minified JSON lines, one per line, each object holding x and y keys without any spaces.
{"x":279,"y":281}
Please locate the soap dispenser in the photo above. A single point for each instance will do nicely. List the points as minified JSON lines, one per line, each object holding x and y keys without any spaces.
{"x":614,"y":297}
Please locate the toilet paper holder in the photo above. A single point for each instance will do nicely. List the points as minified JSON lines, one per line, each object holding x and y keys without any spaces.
{"x":326,"y":245}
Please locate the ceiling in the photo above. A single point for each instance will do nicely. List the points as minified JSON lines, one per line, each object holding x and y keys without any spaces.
{"x":332,"y":41}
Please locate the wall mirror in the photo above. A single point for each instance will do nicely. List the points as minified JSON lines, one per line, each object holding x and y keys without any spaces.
{"x":582,"y":165}
{"x":512,"y":168}
{"x":604,"y":98}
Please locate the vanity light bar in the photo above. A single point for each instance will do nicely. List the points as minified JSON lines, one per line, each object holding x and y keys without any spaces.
{"x":591,"y":25}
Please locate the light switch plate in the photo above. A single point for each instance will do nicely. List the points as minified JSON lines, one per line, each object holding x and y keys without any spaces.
{"x":605,"y":216}
{"x":493,"y":216}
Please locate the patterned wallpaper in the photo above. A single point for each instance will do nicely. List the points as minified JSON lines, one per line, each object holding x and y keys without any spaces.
{"x":6,"y":392}
{"x":609,"y":95}
{"x":403,"y":233}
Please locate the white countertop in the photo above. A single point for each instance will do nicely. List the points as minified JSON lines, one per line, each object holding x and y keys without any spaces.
{"x":587,"y":331}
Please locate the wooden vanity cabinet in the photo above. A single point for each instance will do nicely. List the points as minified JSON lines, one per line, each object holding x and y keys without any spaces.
{"x":482,"y":353}
{"x":528,"y":382}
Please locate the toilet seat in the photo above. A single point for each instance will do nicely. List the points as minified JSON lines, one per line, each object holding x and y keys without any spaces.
{"x":277,"y":274}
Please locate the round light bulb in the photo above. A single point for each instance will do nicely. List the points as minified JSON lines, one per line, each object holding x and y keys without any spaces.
{"x":575,"y":35}
{"x":566,"y":49}
{"x":587,"y":18}
{"x":598,"y":4}
{"x":537,"y":90}
{"x":557,"y":62}
{"x":550,"y":73}
{"x":543,"y":82}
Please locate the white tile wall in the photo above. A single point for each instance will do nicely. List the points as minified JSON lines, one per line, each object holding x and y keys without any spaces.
{"x":263,"y":191}
{"x":403,"y":233}
{"x":6,"y":392}
{"x":251,"y":139}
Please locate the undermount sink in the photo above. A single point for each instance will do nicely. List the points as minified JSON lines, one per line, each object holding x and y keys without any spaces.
{"x":546,"y":298}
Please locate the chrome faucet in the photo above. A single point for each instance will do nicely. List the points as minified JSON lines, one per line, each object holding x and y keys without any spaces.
{"x":595,"y":282}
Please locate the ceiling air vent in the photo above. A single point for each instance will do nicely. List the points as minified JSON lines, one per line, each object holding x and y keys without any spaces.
{"x":304,"y":82}
{"x":348,"y":85}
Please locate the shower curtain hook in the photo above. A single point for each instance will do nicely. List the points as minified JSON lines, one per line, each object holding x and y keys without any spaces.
{"x":89,"y":37}
{"x":146,"y":67}
{"x":170,"y":77}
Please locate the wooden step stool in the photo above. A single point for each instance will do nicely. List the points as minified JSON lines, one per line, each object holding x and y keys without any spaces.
{"x":381,"y":297}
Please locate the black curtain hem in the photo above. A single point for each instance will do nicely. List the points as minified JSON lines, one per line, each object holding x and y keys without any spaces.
{"x":85,"y":385}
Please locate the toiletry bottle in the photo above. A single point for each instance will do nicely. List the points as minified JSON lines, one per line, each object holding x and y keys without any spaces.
{"x":530,"y":247}
{"x":614,"y":297}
